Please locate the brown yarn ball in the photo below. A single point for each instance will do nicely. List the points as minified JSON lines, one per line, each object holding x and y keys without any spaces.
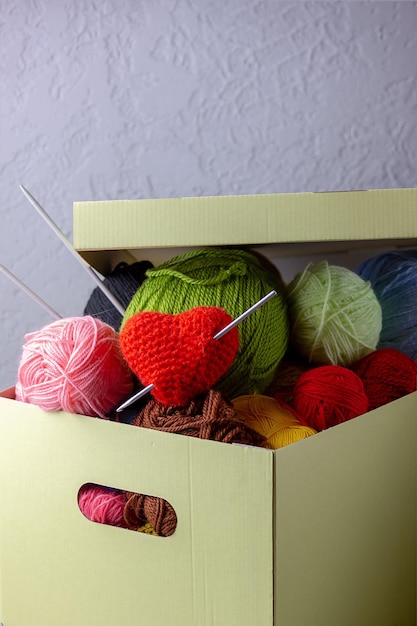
{"x":286,"y":376}
{"x":141,"y":510}
{"x":208,"y":416}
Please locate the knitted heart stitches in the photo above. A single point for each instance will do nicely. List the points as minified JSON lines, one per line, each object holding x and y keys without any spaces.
{"x":177,"y":353}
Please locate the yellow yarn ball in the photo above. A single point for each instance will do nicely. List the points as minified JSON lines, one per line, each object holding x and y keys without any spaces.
{"x":148,"y":529}
{"x":270,"y":418}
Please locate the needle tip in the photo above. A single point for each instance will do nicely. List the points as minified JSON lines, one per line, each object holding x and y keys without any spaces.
{"x":26,"y":192}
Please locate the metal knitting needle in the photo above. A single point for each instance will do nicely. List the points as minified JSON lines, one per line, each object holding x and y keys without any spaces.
{"x":30,"y":293}
{"x":218,"y":335}
{"x":90,"y":271}
{"x":245,"y":314}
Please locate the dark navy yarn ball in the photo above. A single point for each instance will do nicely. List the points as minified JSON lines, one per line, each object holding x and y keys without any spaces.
{"x":123,"y":282}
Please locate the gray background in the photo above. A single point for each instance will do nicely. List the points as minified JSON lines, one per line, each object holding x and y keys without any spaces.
{"x":158,"y":98}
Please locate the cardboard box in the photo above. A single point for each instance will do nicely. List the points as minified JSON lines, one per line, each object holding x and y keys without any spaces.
{"x":322,"y":532}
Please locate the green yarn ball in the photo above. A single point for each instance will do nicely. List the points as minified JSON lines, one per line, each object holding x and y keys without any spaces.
{"x":335,"y":317}
{"x":233,"y":280}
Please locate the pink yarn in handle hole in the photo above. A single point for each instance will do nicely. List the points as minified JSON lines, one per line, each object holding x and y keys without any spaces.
{"x":131,"y":510}
{"x":103,"y":505}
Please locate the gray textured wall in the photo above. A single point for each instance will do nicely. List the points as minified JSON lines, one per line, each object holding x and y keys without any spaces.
{"x":155,"y":98}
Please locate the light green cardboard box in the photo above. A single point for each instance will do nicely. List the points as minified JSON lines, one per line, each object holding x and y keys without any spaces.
{"x":320,"y":533}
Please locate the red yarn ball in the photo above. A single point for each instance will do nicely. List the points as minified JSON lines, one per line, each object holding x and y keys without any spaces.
{"x":387,"y":374}
{"x":329,"y":395}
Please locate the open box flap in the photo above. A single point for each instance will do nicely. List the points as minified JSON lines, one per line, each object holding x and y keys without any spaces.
{"x":346,"y":512}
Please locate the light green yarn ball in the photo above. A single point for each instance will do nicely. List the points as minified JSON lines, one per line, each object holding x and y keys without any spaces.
{"x":233,"y":280}
{"x":335,"y":317}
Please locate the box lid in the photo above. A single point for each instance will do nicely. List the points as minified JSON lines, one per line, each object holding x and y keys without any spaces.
{"x":336,"y":220}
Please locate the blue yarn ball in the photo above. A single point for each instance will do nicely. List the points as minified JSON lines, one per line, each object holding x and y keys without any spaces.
{"x":393,"y":276}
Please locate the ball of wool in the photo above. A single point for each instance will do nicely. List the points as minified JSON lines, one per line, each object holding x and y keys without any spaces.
{"x":335,"y":316}
{"x":74,"y":365}
{"x":287,"y":374}
{"x":148,"y":529}
{"x":273,"y":419}
{"x":329,"y":395}
{"x":123,"y":283}
{"x":102,"y":505}
{"x":149,"y":514}
{"x":393,"y":276}
{"x":135,"y":511}
{"x":208,"y":416}
{"x":387,"y":374}
{"x":233,"y":280}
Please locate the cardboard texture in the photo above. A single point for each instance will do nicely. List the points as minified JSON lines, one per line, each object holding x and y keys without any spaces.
{"x":60,"y":568}
{"x":158,"y":229}
{"x":319,"y":533}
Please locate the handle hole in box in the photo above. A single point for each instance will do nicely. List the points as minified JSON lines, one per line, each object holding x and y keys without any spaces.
{"x":127,"y":510}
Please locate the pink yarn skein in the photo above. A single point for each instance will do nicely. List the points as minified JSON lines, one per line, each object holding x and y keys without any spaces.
{"x":74,"y":365}
{"x":102,"y":505}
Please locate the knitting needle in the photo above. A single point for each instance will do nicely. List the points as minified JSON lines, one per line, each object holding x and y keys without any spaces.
{"x":29,"y":292}
{"x":245,"y":314}
{"x":70,"y":247}
{"x":218,"y":335}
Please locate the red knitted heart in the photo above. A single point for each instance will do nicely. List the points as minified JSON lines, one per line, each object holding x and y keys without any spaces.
{"x":177,"y":353}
